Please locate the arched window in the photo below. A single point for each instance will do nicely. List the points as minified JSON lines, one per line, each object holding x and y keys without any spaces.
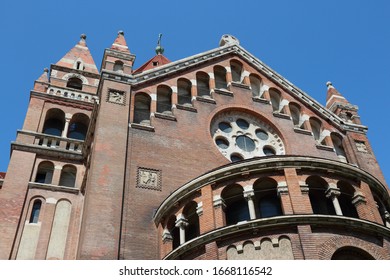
{"x":54,"y":122}
{"x":345,"y":199}
{"x":45,"y":172}
{"x":68,"y":176}
{"x":174,"y":231}
{"x":266,"y":198}
{"x":295,"y":111}
{"x":79,"y":65}
{"x":118,"y":66}
{"x":315,"y":128}
{"x":203,"y":84}
{"x":142,"y":108}
{"x":34,"y":217}
{"x":337,"y":141}
{"x":220,"y":77}
{"x":192,"y":230}
{"x":75,"y":83}
{"x":236,"y":206}
{"x":78,"y":126}
{"x":255,"y":85}
{"x":184,"y":92}
{"x":237,"y":69}
{"x":320,"y":204}
{"x":164,"y":103}
{"x":351,"y":253}
{"x":275,"y":97}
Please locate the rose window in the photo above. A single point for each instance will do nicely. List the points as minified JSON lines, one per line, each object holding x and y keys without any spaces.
{"x":239,"y":135}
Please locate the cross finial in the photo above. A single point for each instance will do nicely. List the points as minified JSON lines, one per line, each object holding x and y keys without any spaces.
{"x":159,"y":48}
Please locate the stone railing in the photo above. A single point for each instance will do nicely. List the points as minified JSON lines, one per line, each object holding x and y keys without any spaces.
{"x":67,"y":93}
{"x":45,"y":143}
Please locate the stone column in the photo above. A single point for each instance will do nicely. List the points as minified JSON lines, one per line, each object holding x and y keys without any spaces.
{"x":248,"y":195}
{"x":68,"y":117}
{"x":182,"y":223}
{"x":333,"y":192}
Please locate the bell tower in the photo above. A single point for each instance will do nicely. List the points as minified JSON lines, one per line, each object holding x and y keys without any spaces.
{"x":42,"y":191}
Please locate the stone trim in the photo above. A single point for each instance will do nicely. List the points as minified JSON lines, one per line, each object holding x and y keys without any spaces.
{"x":164,"y":116}
{"x":186,"y":108}
{"x":303,"y":131}
{"x":261,"y":100}
{"x":142,"y":127}
{"x":281,"y":115}
{"x":206,"y":100}
{"x":223,"y":92}
{"x":324,"y":148}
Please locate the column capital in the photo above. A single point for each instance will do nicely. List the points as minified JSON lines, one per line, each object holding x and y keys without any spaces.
{"x":248,"y":194}
{"x":304,"y":187}
{"x":358,"y":198}
{"x":166,"y":236}
{"x":282,"y":188}
{"x":332,"y":191}
{"x":181,"y":222}
{"x":218,"y":201}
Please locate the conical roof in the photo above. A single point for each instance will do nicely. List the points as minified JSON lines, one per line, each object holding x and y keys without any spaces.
{"x":79,"y":53}
{"x":120,"y":43}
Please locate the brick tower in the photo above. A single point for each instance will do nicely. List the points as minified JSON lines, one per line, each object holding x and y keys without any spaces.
{"x":214,"y":156}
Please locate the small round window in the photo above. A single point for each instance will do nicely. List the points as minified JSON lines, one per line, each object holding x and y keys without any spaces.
{"x":222,"y":143}
{"x":261,"y":134}
{"x":243,"y":124}
{"x":225,"y":127}
{"x":236,"y":157}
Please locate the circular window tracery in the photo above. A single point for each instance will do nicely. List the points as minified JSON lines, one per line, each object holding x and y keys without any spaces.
{"x":240,"y":135}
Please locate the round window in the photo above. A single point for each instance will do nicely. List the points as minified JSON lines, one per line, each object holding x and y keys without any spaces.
{"x":268,"y":151}
{"x":243,"y":124}
{"x":245,"y":143}
{"x":261,"y":134}
{"x":240,"y":135}
{"x":236,"y":157}
{"x":225,"y":127}
{"x":222,"y":143}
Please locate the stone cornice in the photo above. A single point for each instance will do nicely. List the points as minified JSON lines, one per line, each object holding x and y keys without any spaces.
{"x":267,"y":164}
{"x":71,"y":70}
{"x":335,"y":222}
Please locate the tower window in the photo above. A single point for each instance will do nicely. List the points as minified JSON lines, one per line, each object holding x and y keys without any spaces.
{"x":34,"y":217}
{"x":75,"y":83}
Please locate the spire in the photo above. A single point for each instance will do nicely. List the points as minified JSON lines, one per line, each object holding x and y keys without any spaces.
{"x":79,"y":57}
{"x":333,"y":96}
{"x":120,"y":43}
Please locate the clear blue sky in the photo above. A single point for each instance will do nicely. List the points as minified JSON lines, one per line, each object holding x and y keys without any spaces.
{"x":307,"y":42}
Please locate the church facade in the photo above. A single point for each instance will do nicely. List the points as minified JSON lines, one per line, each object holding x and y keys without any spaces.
{"x":214,"y":156}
